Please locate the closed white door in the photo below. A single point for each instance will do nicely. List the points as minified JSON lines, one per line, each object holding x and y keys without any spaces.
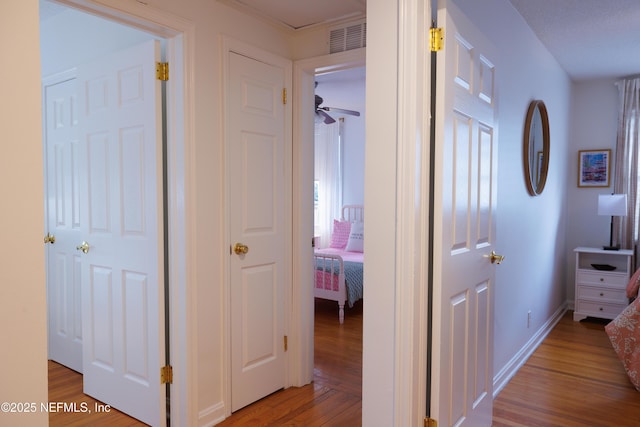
{"x":122,"y":269}
{"x":466,"y":174}
{"x":258,"y":190}
{"x":63,"y":221}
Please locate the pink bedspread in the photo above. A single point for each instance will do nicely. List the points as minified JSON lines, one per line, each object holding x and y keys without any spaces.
{"x":624,"y":333}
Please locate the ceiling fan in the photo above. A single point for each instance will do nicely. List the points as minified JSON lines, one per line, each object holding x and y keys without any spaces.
{"x":321,"y":112}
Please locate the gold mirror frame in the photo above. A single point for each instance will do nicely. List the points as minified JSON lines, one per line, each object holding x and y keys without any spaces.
{"x":536,"y":147}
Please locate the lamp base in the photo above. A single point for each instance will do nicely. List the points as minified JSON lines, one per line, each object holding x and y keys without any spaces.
{"x":611,"y":248}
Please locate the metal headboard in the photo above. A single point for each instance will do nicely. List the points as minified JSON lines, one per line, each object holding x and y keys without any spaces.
{"x":353,"y":213}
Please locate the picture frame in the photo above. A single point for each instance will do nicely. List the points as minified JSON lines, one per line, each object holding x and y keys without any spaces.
{"x":594,"y":168}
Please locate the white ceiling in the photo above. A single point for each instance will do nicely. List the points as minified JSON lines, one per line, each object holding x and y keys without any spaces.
{"x":297,"y":14}
{"x":589,"y":38}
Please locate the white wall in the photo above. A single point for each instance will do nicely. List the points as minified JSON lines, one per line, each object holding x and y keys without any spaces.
{"x":531,"y":231}
{"x":22,"y":284}
{"x":348,"y":93}
{"x":72,"y":37}
{"x":594,"y":120}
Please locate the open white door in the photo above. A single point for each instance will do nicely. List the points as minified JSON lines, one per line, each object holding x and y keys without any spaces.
{"x":466,"y":155}
{"x":63,"y":221}
{"x":122,"y":270}
{"x":258,"y":193}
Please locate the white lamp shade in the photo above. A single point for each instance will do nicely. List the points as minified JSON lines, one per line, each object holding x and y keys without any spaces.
{"x":612,"y":204}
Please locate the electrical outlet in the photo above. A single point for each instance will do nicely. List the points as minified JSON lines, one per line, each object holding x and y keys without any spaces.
{"x":529,"y":319}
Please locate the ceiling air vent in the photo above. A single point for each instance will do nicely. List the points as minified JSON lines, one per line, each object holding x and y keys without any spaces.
{"x":352,"y":36}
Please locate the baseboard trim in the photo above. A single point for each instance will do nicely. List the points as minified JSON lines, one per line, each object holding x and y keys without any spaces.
{"x":212,"y":415}
{"x":509,"y":370}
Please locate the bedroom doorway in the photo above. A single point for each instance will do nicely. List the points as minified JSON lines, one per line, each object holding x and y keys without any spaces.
{"x":174,"y":95}
{"x":339,"y":145}
{"x":303,"y":307}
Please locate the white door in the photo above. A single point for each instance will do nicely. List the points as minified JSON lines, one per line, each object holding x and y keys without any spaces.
{"x":258,"y":192}
{"x":466,"y":154}
{"x":122,"y":270}
{"x":63,"y":221}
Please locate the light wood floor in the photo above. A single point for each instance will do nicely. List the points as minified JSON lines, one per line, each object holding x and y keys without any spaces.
{"x":573,"y":379}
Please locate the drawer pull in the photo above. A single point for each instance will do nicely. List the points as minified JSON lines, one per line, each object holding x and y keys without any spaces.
{"x":601,"y":294}
{"x":602,"y":279}
{"x":601,"y":309}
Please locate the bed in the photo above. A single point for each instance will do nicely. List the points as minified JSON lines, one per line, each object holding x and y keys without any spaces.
{"x":624,"y":333}
{"x":339,"y":268}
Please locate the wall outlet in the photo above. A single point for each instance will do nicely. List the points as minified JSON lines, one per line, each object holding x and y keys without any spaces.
{"x":529,"y":319}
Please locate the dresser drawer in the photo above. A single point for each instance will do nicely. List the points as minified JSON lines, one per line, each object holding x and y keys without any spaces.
{"x":596,"y":309}
{"x":614,"y":295}
{"x":598,"y":278}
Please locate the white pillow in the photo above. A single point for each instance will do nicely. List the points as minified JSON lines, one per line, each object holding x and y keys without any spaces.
{"x":356,"y":238}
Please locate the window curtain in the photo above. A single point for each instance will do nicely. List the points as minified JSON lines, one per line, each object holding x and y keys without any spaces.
{"x":627,"y":160}
{"x":328,"y":174}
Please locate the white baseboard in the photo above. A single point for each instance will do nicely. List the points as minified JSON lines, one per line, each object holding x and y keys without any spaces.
{"x":502,"y":378}
{"x":212,"y":415}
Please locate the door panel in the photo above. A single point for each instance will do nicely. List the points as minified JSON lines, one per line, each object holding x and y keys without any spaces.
{"x":123,"y":293}
{"x":63,"y":222}
{"x":466,"y":150}
{"x":257,"y":176}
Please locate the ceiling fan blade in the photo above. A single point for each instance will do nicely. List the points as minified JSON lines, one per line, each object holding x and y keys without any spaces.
{"x":341,"y":110}
{"x":327,"y":118}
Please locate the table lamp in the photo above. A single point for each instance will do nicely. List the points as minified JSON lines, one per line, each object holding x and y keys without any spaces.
{"x":612,"y":205}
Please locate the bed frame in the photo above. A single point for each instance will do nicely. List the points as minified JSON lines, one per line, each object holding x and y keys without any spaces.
{"x":331,"y":286}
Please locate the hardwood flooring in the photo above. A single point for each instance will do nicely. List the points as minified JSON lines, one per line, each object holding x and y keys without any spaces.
{"x":335,"y":396}
{"x":65,"y":386}
{"x":573,"y":379}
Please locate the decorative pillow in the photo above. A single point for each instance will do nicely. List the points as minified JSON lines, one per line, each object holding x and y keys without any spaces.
{"x":340,"y":235}
{"x":623,"y":333}
{"x":356,"y":238}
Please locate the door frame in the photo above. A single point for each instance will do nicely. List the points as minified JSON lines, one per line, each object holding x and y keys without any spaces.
{"x":179,"y":34}
{"x":302,"y":319}
{"x":398,"y":92}
{"x":230,"y":44}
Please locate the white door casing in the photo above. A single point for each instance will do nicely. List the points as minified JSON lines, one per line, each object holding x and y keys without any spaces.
{"x":122,"y":272}
{"x":63,"y":200}
{"x":259,"y":187}
{"x":466,"y":119}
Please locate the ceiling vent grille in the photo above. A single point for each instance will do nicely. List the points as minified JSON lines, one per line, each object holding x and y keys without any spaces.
{"x":352,"y":36}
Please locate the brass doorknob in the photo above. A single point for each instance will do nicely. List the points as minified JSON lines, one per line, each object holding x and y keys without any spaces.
{"x":84,"y":247}
{"x":240,"y":249}
{"x":495,"y":258}
{"x":49,"y":238}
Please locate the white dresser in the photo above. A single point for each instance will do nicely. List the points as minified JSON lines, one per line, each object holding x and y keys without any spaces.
{"x":601,"y":293}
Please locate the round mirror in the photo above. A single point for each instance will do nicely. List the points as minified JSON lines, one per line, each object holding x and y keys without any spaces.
{"x":536,"y":147}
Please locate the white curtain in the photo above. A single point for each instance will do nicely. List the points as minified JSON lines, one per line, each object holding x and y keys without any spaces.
{"x":627,"y":161}
{"x":328,"y":174}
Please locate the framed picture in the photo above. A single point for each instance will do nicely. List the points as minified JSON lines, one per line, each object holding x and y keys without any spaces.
{"x":594,"y":168}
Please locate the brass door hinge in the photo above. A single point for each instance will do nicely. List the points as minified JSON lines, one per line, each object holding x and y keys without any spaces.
{"x":166,"y":375}
{"x":284,"y":96}
{"x":286,"y":343}
{"x":162,"y":71}
{"x":436,"y":39}
{"x":430,"y":422}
